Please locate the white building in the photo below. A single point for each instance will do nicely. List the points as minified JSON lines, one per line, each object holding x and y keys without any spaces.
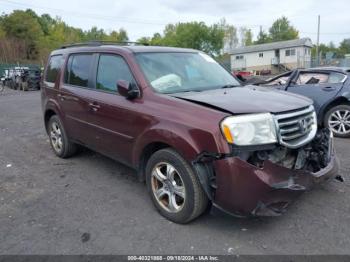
{"x":277,"y":56}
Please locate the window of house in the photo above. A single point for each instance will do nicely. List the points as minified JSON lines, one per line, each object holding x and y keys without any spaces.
{"x":290,"y":52}
{"x":261,"y":54}
{"x":53,"y":68}
{"x":111,"y":68}
{"x":239,"y":57}
{"x":307,"y":51}
{"x":78,"y":70}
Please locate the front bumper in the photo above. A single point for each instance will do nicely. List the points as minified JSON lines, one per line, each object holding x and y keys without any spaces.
{"x":243,"y":189}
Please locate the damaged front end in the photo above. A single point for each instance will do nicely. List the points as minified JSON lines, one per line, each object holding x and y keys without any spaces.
{"x":263,"y":181}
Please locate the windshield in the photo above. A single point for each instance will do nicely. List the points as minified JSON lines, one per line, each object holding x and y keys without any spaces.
{"x":183,"y":72}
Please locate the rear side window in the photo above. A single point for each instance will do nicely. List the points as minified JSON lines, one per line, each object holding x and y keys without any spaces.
{"x":335,"y":78}
{"x":111,"y":68}
{"x":78,"y":70}
{"x":53,"y":68}
{"x":312,"y":78}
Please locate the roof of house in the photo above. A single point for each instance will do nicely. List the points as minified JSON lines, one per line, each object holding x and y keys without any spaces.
{"x":273,"y":46}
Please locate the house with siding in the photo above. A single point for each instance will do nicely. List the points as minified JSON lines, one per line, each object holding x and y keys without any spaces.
{"x":276,"y":57}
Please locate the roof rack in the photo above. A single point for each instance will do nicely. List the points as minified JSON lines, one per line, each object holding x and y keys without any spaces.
{"x":102,"y":42}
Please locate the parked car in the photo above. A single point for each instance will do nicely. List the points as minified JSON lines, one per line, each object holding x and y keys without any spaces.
{"x":194,"y":135}
{"x":328,"y":87}
{"x":30,"y":79}
{"x":13,"y":76}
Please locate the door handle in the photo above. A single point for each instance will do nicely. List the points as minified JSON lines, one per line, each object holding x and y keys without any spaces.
{"x":62,"y":97}
{"x":94,"y":106}
{"x":328,"y":88}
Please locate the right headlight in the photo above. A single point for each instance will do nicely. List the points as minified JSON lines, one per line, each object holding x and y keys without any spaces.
{"x":251,"y":129}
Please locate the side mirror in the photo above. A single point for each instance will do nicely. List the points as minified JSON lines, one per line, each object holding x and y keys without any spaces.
{"x":128,"y":90}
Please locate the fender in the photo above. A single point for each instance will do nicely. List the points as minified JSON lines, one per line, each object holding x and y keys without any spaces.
{"x":184,"y":144}
{"x":323,"y":110}
{"x":52,"y":104}
{"x":346,"y":94}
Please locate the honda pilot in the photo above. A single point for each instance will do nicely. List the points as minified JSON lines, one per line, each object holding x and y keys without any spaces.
{"x":188,"y":128}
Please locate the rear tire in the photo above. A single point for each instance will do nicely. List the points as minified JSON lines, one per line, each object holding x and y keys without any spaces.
{"x":338,"y":120}
{"x":59,"y":141}
{"x":174,"y":187}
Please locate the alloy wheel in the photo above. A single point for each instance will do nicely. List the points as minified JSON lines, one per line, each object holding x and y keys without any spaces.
{"x":168,"y":187}
{"x":56,"y":137}
{"x":339,"y":122}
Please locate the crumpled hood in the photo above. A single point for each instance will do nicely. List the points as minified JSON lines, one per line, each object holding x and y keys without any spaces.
{"x":248,"y":99}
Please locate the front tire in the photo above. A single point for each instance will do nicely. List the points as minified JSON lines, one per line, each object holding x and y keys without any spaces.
{"x":338,"y":120}
{"x":174,"y":188}
{"x":59,"y":141}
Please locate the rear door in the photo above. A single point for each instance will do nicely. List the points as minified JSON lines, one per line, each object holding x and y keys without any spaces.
{"x":319,"y":86}
{"x":74,"y":96}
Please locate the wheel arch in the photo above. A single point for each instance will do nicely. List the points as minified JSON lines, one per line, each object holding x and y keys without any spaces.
{"x":337,"y":101}
{"x":51,"y":108}
{"x":155,"y":140}
{"x":47,"y":115}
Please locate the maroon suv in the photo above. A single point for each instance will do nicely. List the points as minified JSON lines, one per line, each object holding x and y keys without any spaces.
{"x":187,"y":126}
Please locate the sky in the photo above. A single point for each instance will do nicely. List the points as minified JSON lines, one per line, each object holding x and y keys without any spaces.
{"x":143,"y":18}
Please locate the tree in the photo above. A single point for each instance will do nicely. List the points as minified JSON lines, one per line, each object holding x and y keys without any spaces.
{"x":120,"y":36}
{"x":26,"y":36}
{"x":327,"y":49}
{"x":344,"y":47}
{"x":231,"y":40}
{"x":247,"y":37}
{"x":195,"y":35}
{"x":22,"y":26}
{"x":281,"y":30}
{"x":144,"y":40}
{"x":263,"y":38}
{"x":2,"y":32}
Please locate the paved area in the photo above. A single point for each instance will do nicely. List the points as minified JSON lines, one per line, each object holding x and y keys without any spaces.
{"x":90,"y":204}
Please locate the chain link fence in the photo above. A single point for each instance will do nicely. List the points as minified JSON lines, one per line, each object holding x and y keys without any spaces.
{"x":338,"y":62}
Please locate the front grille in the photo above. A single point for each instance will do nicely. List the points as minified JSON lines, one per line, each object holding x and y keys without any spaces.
{"x":297,"y":128}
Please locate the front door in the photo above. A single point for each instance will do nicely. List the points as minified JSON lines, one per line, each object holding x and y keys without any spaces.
{"x":116,"y":120}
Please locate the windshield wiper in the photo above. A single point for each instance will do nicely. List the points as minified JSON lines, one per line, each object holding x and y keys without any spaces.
{"x":230,"y":86}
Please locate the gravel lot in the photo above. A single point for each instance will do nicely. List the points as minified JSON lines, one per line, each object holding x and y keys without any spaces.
{"x":90,"y":204}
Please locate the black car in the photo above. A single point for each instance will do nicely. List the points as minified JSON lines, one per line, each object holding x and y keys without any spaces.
{"x":328,"y":87}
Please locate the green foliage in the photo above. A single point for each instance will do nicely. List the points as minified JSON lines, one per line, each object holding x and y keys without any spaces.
{"x":324,"y":49}
{"x":247,"y":37}
{"x":23,"y":26}
{"x":344,"y":47}
{"x":41,"y":34}
{"x":195,"y":35}
{"x":263,"y":38}
{"x":2,"y":32}
{"x":230,"y":36}
{"x":281,"y":30}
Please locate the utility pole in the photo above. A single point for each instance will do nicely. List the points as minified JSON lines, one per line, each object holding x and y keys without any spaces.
{"x":318,"y":41}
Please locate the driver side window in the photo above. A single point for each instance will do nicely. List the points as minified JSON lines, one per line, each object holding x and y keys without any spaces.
{"x":111,"y":68}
